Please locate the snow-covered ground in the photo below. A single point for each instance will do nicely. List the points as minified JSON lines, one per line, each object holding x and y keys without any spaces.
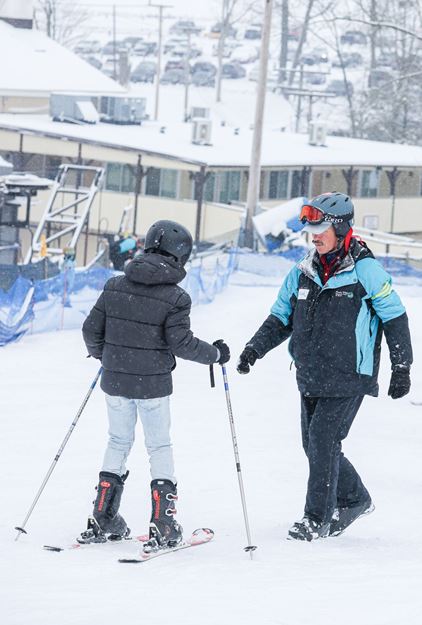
{"x":371,"y":575}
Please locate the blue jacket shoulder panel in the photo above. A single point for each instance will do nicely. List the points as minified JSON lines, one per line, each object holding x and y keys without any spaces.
{"x":378,"y":285}
{"x":282,"y":308}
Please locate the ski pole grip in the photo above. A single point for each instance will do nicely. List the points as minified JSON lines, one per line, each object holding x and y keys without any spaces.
{"x":212,"y":379}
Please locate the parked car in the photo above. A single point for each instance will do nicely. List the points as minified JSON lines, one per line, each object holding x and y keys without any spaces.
{"x":203,"y":79}
{"x":315,"y":78}
{"x":131,"y":42}
{"x":87,"y":46}
{"x":114,"y":46}
{"x":172,"y":43}
{"x":110,"y":68}
{"x":349,"y":59}
{"x":387,"y":59}
{"x":315,"y":57}
{"x":204,"y":66}
{"x":340,"y":87}
{"x":174,"y":77}
{"x":182,"y":27}
{"x":379,"y":77}
{"x":175,"y":63}
{"x":253,"y":33}
{"x":354,"y":37}
{"x":144,"y":72}
{"x":144,"y":48}
{"x":92,"y":60}
{"x":245,"y":54}
{"x":230,"y":30}
{"x":294,"y":33}
{"x":253,"y":73}
{"x":233,"y":70}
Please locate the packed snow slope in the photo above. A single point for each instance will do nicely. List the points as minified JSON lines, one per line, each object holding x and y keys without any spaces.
{"x":371,"y":575}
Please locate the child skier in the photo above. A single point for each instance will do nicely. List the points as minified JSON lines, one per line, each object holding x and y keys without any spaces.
{"x":137,"y":327}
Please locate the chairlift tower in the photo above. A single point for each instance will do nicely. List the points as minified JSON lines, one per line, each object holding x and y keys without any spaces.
{"x":67,"y":209}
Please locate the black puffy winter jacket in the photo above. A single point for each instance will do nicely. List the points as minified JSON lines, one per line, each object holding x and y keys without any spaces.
{"x":139,"y":324}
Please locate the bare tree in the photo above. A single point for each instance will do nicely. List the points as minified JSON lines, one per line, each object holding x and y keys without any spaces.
{"x":60,"y":20}
{"x":232,"y":12}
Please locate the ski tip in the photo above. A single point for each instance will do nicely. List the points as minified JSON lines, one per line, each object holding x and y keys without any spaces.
{"x":52,"y":548}
{"x":204,"y":531}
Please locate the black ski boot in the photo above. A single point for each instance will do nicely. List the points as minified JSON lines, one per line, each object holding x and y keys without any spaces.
{"x":106,"y":522}
{"x":92,"y":534}
{"x":343,"y":517}
{"x":164,"y":530}
{"x":308,"y":529}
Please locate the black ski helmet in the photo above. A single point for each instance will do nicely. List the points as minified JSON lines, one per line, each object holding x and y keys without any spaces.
{"x":339,"y":210}
{"x":169,"y":238}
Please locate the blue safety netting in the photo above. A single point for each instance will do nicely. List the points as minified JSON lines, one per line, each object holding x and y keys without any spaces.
{"x":64,"y":301}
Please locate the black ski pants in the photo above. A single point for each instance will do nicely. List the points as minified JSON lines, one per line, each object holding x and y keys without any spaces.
{"x":333,"y":480}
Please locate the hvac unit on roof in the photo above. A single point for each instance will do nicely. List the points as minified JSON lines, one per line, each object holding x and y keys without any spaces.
{"x":317,"y":132}
{"x":122,"y":109}
{"x":77,"y":109}
{"x":199,"y":112}
{"x":201,"y":131}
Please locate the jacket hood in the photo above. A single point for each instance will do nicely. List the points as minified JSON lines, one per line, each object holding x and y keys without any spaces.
{"x":154,"y":269}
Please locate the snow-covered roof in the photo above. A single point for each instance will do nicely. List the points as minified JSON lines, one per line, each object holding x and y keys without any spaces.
{"x":35,"y":65}
{"x":228,"y":149}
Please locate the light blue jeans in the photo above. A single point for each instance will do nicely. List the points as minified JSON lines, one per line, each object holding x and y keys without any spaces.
{"x":155,"y":418}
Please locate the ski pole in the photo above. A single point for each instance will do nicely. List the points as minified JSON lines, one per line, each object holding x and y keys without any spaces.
{"x":249,"y":548}
{"x":21,"y":529}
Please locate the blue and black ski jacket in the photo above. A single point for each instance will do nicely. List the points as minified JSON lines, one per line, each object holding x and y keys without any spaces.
{"x":335,"y":328}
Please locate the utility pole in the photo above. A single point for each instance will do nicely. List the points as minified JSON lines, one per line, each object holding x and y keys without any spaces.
{"x":220,"y":48}
{"x":299,"y":99}
{"x":187,"y":76}
{"x":255,"y":166}
{"x":114,"y":44}
{"x":284,"y":40}
{"x":160,"y":8}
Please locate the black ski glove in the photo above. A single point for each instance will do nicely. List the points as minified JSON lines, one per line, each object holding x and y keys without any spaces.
{"x":400,"y":382}
{"x":246,"y":360}
{"x":224,"y":350}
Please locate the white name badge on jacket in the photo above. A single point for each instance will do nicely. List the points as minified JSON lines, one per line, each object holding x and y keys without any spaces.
{"x":302,"y":293}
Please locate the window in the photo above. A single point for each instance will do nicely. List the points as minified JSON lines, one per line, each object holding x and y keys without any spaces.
{"x":120,"y":177}
{"x":168,"y":184}
{"x":279,"y":181}
{"x":209,"y":188}
{"x":369,"y":183}
{"x":229,"y":186}
{"x":208,"y":192}
{"x":153,"y":182}
{"x":161,"y":182}
{"x":113,"y":175}
{"x":128,"y":179}
{"x":296,"y":190}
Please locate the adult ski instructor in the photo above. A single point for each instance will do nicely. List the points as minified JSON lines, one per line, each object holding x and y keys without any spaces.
{"x":334,"y":305}
{"x":137,"y":327}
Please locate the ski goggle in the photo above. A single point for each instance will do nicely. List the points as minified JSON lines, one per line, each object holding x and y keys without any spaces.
{"x":311,"y":215}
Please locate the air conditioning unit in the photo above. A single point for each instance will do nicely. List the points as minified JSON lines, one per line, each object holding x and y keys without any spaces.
{"x":122,"y":110}
{"x":199,"y":112}
{"x":201,"y":131}
{"x":317,"y":133}
{"x":74,"y":108}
